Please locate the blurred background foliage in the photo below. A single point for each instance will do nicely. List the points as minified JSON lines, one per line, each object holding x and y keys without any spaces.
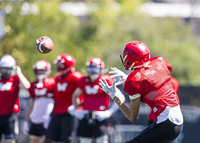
{"x":103,"y":33}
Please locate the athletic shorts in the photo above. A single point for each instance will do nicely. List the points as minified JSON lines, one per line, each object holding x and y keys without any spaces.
{"x":92,"y":128}
{"x":8,"y":126}
{"x":158,"y":133}
{"x":37,"y":130}
{"x":60,"y":128}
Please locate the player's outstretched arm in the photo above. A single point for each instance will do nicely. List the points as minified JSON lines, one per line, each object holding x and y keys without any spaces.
{"x":131,"y":112}
{"x":24,"y":81}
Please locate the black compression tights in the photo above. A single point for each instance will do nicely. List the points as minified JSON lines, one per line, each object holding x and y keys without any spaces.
{"x":158,"y":133}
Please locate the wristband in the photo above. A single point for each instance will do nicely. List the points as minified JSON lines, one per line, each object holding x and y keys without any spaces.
{"x":134,"y":96}
{"x":115,"y":98}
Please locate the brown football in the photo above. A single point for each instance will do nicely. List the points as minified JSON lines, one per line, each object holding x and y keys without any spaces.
{"x":44,"y":44}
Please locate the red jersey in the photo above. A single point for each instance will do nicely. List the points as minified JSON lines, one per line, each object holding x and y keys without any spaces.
{"x":9,"y":90}
{"x":154,"y":85}
{"x":65,"y":87}
{"x":175,"y":85}
{"x":48,"y":87}
{"x":94,"y":97}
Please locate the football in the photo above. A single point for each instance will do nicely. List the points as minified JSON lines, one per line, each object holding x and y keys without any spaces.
{"x":44,"y":44}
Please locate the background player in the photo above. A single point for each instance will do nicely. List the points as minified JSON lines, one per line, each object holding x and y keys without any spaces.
{"x":150,"y":83}
{"x":40,"y":103}
{"x":96,"y":104}
{"x":10,"y":79}
{"x":62,"y":123}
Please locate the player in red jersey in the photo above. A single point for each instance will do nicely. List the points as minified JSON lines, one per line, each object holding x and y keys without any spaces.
{"x":40,"y":103}
{"x":62,"y":122}
{"x":148,"y":82}
{"x":96,"y":104}
{"x":10,"y":79}
{"x":152,"y":117}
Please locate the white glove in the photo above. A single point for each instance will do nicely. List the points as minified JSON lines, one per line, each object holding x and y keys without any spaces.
{"x":110,"y":90}
{"x":101,"y":115}
{"x":80,"y":114}
{"x":118,"y":73}
{"x":25,"y":129}
{"x":71,"y":110}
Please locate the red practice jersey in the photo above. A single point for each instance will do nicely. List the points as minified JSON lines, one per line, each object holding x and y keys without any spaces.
{"x":9,"y":90}
{"x":175,"y":85}
{"x":154,"y":85}
{"x":65,"y":87}
{"x":94,"y":97}
{"x":48,"y":87}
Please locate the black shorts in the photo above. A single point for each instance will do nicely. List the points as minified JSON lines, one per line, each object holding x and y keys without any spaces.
{"x":150,"y":122}
{"x":92,"y":128}
{"x":37,"y":130}
{"x":60,"y":128}
{"x":8,"y":125}
{"x":158,"y":133}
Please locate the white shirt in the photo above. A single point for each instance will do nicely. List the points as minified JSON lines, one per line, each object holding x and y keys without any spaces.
{"x":42,"y":109}
{"x":174,"y":114}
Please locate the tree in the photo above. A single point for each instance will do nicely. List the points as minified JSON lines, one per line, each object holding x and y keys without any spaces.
{"x":102,"y":33}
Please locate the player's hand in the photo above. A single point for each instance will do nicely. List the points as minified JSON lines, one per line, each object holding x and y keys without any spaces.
{"x":101,"y":115}
{"x":80,"y":114}
{"x":18,"y":70}
{"x":71,"y":110}
{"x":110,"y":90}
{"x":25,"y":129}
{"x":118,"y":73}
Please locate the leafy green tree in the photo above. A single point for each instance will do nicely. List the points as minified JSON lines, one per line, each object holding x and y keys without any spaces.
{"x":102,"y":33}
